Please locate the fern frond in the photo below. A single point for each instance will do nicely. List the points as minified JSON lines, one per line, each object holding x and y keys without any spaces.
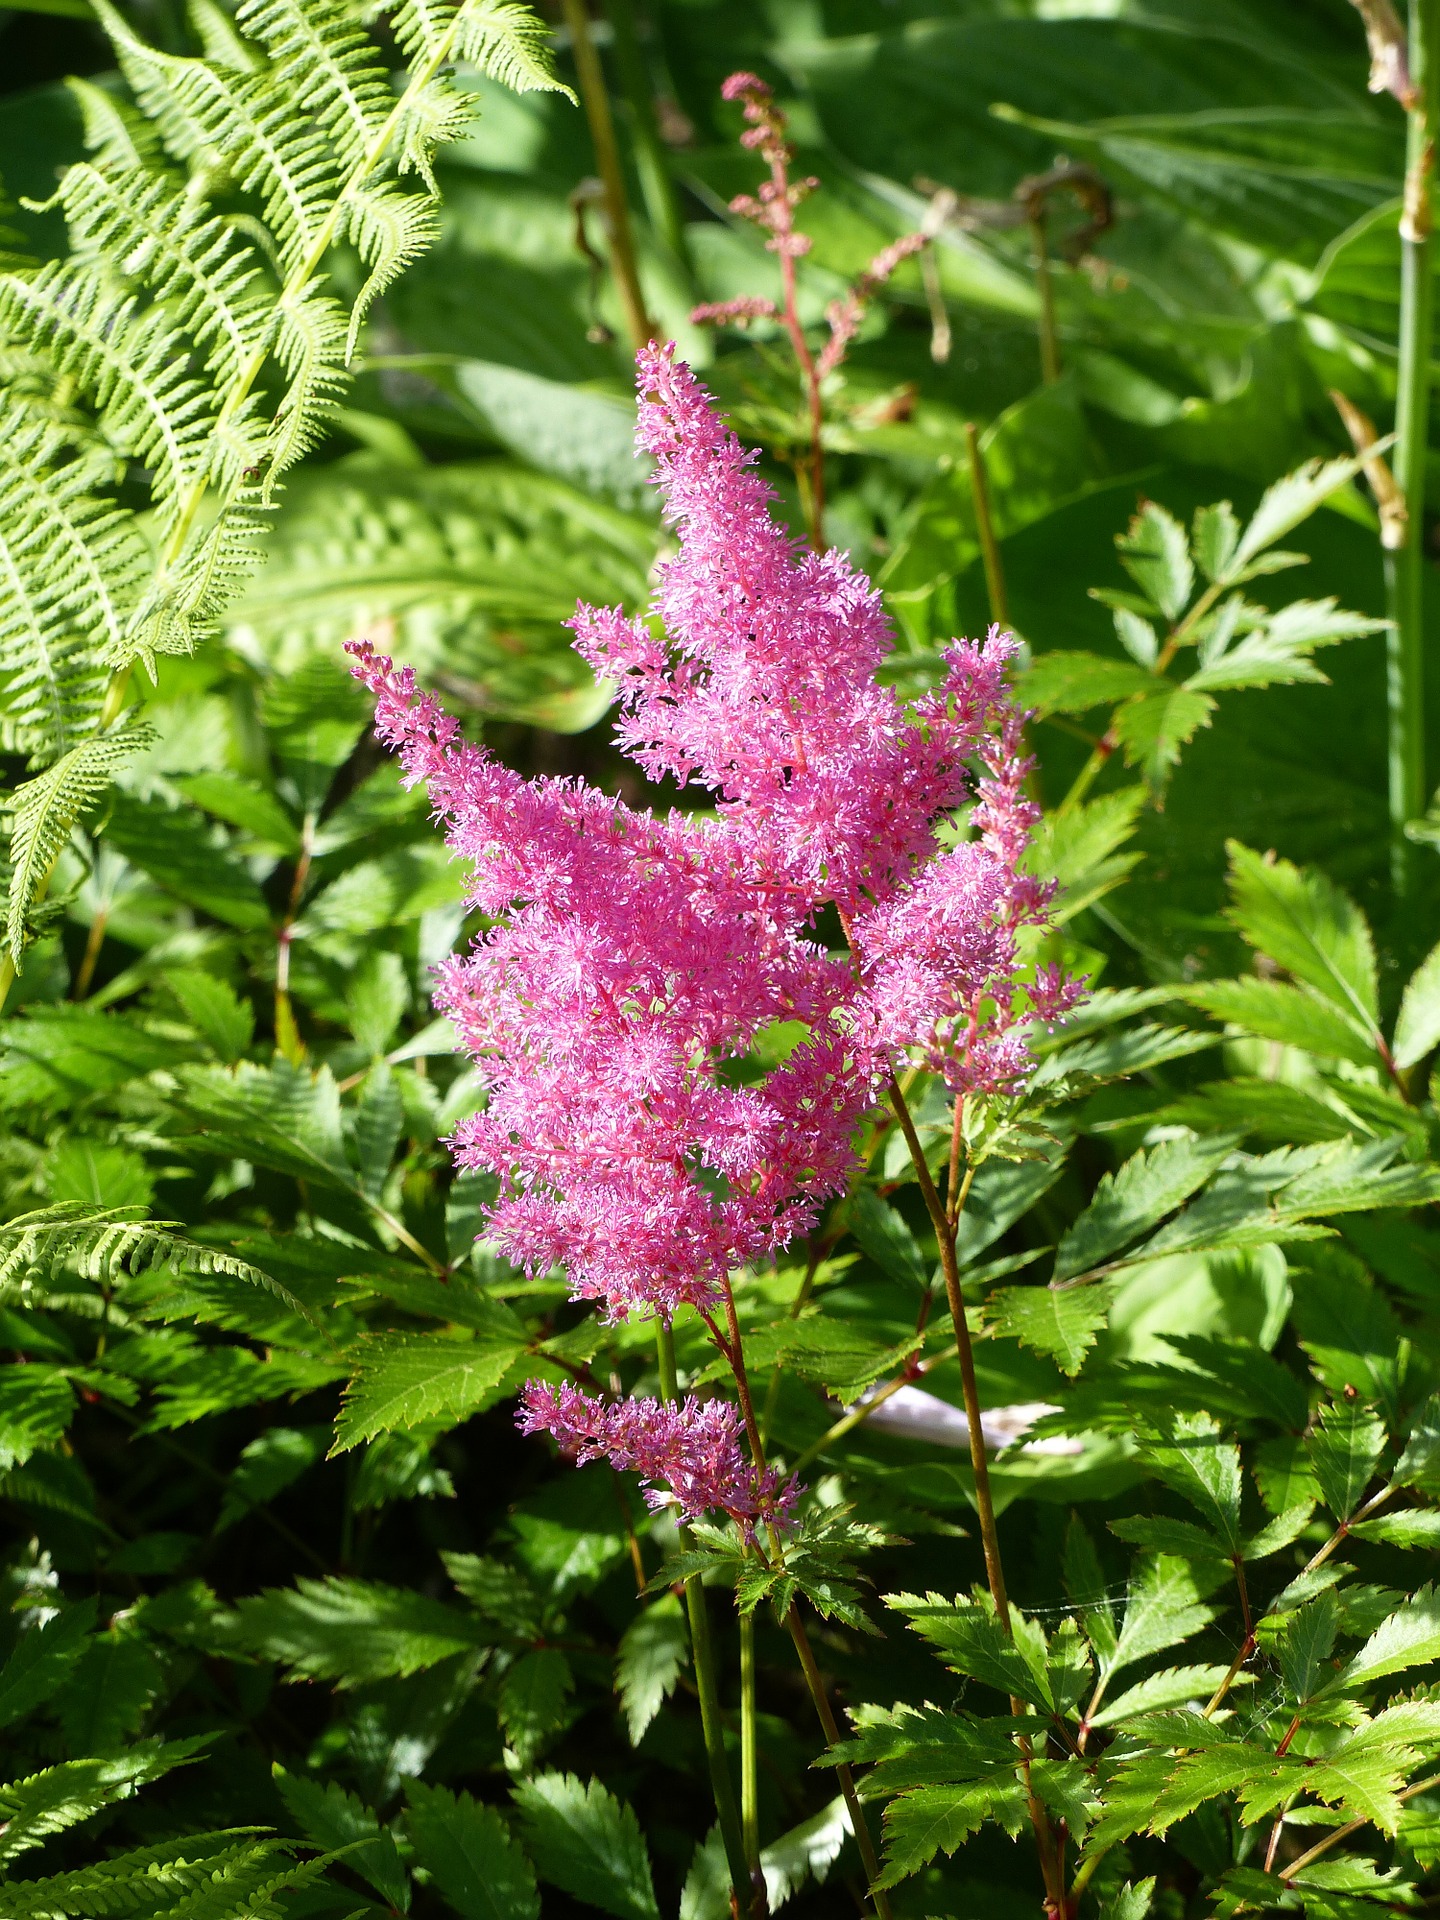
{"x":388,"y":229}
{"x":71,"y":565}
{"x":115,"y":133}
{"x":310,"y":346}
{"x":216,"y":33}
{"x":130,"y":363}
{"x":505,"y":41}
{"x":510,"y":44}
{"x":184,"y":598}
{"x":43,"y":811}
{"x":330,"y":64}
{"x":135,"y":1882}
{"x":102,"y":1243}
{"x":150,"y":232}
{"x":240,"y":124}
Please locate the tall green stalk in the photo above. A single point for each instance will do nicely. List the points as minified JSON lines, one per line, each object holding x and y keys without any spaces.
{"x":652,"y":163}
{"x":1405,"y":566}
{"x":607,"y":160}
{"x":703,"y":1654}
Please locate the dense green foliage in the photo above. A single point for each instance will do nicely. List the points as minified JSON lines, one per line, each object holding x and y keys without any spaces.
{"x":295,"y":1622}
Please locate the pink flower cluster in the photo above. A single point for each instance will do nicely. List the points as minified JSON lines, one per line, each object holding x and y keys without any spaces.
{"x":688,"y":1451}
{"x":773,"y":209}
{"x":632,"y":961}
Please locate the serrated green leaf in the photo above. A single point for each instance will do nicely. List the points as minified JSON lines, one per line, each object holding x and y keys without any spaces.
{"x":36,"y":1404}
{"x":1418,"y":1528}
{"x":352,"y":1631}
{"x":42,"y":1659}
{"x":404,"y":1379}
{"x":1344,"y":1450}
{"x":972,"y":1641}
{"x":1174,"y":1687}
{"x":1154,"y":729}
{"x":1160,"y":1534}
{"x":1163,"y":1606}
{"x":469,"y":1850}
{"x":588,"y":1843}
{"x":1189,"y":1455}
{"x":1409,"y":1637}
{"x":1306,"y":925}
{"x":533,"y":1704}
{"x":1285,"y":504}
{"x":887,"y":1238}
{"x":1155,"y":553}
{"x":1129,"y":1202}
{"x":1073,"y":682}
{"x":1062,"y":1322}
{"x":1417,"y":1027}
{"x":1214,"y":537}
{"x":652,"y":1654}
{"x":1293,"y":1016}
{"x":335,"y":1820}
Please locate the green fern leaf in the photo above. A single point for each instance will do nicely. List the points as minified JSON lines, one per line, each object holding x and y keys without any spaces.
{"x":59,"y":1797}
{"x":507,"y":43}
{"x":101,"y":1243}
{"x":336,"y":76}
{"x":130,"y":364}
{"x":389,"y":229}
{"x":154,"y":234}
{"x":143,"y":1880}
{"x":43,"y":811}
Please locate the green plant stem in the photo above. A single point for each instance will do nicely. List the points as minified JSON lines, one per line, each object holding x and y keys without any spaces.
{"x":702,"y":1652}
{"x":1317,"y":1559}
{"x":607,"y":159}
{"x":749,"y":1750}
{"x":946,"y":1224}
{"x":815,"y":1681}
{"x":794,"y":1625}
{"x":94,"y":941}
{"x":1405,"y":565}
{"x":1045,"y":287}
{"x":652,"y":162}
{"x":984,"y":521}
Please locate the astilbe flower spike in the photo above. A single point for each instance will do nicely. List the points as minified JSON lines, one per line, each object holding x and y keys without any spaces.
{"x":631,"y":960}
{"x":688,"y":1453}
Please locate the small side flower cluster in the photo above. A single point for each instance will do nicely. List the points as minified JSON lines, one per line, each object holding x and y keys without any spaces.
{"x":772,"y":208}
{"x":631,"y":960}
{"x":688,"y":1454}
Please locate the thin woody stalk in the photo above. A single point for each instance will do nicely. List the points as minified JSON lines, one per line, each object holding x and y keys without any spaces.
{"x":651,"y":160}
{"x":1045,"y":287}
{"x":984,"y":521}
{"x":946,"y":1224}
{"x":749,"y":1747}
{"x":607,"y":159}
{"x":733,"y":1350}
{"x":703,"y":1653}
{"x":1405,"y":565}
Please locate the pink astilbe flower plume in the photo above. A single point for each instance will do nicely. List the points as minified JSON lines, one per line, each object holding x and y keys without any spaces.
{"x":688,"y":1453}
{"x":631,"y":961}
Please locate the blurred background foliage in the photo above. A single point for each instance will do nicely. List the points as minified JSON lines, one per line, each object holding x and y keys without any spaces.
{"x":228,"y":1026}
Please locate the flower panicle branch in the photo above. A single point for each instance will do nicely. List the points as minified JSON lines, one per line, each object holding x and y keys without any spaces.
{"x":772,"y":208}
{"x":687,"y":1453}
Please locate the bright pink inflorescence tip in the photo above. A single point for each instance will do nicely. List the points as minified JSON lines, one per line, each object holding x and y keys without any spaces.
{"x":688,"y":1453}
{"x":633,"y":961}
